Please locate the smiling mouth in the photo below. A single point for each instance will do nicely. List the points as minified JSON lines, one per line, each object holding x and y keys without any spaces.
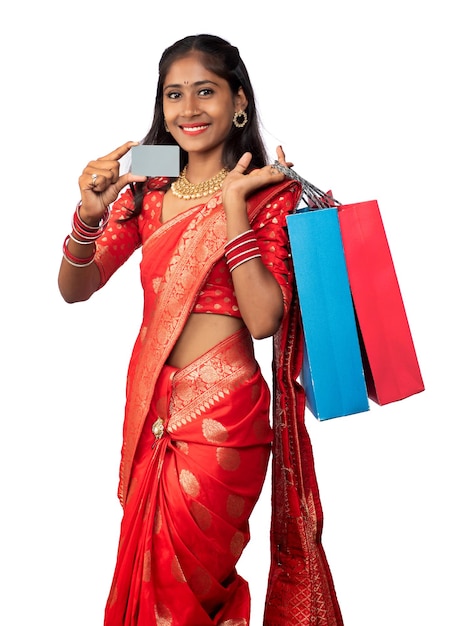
{"x":194,"y":129}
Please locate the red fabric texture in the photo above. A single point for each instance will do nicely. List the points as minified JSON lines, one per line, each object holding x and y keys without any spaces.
{"x":187,"y":496}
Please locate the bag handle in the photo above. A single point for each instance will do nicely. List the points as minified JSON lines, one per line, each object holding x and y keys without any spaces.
{"x":314,"y":197}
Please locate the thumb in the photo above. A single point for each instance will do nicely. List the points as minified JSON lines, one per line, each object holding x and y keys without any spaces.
{"x":243,"y":163}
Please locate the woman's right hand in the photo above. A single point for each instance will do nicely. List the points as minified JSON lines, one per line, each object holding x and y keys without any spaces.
{"x":100,"y":183}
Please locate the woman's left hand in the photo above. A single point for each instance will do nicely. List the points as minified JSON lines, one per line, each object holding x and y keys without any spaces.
{"x":239,"y":185}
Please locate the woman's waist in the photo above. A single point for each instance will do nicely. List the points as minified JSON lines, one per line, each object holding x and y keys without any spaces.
{"x":232,"y":357}
{"x":202,"y":333}
{"x":225,"y":383}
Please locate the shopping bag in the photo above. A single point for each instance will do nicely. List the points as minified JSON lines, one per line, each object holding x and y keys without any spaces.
{"x":332,"y":373}
{"x":390,"y":361}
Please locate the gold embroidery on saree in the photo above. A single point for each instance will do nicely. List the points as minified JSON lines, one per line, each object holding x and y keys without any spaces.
{"x":202,"y":515}
{"x":146,"y":575}
{"x":235,"y":506}
{"x":228,"y":459}
{"x":163,"y":615}
{"x":176,"y":571}
{"x":158,"y":521}
{"x":189,"y":483}
{"x":237,"y":544}
{"x":214,"y":431}
{"x":199,"y":247}
{"x":200,"y":582}
{"x":209,"y":380}
{"x":182,"y":446}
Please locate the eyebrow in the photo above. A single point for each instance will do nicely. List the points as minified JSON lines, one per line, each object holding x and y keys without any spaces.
{"x":199,"y":83}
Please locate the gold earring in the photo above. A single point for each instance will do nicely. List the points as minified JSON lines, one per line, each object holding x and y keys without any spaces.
{"x":240,"y":119}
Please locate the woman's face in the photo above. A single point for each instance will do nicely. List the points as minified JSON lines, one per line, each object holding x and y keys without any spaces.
{"x":199,"y":106}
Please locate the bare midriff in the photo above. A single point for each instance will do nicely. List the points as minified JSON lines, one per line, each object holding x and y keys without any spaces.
{"x":201,"y":333}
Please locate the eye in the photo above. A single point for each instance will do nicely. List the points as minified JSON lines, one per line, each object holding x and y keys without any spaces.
{"x":173,"y":95}
{"x":206,"y":91}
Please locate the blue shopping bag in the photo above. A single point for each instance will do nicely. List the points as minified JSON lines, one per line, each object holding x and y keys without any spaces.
{"x":332,"y":373}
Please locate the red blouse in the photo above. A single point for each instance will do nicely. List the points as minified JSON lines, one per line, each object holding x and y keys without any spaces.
{"x":121,"y":239}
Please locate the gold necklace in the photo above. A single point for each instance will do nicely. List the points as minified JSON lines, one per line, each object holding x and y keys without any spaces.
{"x":183,"y":188}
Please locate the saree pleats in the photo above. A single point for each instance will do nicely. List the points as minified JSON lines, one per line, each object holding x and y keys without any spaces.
{"x":191,"y":493}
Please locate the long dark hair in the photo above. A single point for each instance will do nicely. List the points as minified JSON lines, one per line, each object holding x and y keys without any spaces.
{"x":223,"y":59}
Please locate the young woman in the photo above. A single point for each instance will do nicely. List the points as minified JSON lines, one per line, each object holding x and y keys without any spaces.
{"x":216,"y":273}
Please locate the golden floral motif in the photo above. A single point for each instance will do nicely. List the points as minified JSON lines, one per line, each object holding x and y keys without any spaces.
{"x":146,"y":511}
{"x":163,"y":615}
{"x":209,"y":380}
{"x":146,"y":576}
{"x":189,"y":483}
{"x":176,"y":570}
{"x":228,"y":458}
{"x":237,"y":544}
{"x":182,"y":446}
{"x":156,"y":283}
{"x":158,"y":521}
{"x":184,"y":392}
{"x":235,"y":505}
{"x":200,"y":582}
{"x":214,"y":431}
{"x":240,"y":621}
{"x":201,"y":515}
{"x":209,"y":374}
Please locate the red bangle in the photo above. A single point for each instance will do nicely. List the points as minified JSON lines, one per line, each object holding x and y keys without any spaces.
{"x":75,"y":260}
{"x":241,"y":249}
{"x":86,"y":232}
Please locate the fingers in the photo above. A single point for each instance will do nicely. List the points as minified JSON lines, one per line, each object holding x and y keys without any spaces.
{"x":100,"y":182}
{"x":281,"y":157}
{"x":98,"y":175}
{"x":243,"y":163}
{"x":103,"y":172}
{"x":120,"y":152}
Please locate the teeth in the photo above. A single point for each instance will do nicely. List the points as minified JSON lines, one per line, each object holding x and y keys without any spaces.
{"x":193,"y":129}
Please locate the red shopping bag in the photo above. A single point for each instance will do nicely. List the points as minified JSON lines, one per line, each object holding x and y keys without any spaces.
{"x":391,"y":368}
{"x":390,"y":363}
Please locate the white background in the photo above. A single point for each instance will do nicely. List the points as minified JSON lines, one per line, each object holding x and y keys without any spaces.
{"x":366,"y":98}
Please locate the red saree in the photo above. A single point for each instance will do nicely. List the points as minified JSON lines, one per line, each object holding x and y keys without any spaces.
{"x":191,"y":493}
{"x":196,"y":444}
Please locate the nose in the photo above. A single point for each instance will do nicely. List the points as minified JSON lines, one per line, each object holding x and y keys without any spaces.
{"x":190,"y":106}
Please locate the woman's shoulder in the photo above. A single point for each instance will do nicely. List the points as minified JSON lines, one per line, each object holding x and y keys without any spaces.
{"x":281,"y":198}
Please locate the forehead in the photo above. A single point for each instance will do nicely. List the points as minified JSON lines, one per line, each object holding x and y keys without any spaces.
{"x":190,"y":69}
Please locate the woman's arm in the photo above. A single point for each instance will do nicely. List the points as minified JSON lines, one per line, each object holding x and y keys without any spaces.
{"x":100,"y":185}
{"x":258,"y":293}
{"x":77,"y":284}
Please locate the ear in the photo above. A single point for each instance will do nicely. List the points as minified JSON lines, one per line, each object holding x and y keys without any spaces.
{"x":240,"y":100}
